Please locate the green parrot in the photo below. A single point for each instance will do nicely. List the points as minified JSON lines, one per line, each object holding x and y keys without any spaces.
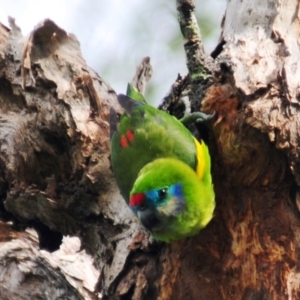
{"x":162,"y":171}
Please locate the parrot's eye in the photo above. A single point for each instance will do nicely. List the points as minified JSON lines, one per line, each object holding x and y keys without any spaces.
{"x":162,"y":194}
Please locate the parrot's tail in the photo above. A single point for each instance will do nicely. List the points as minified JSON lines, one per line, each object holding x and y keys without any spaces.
{"x":128,"y":103}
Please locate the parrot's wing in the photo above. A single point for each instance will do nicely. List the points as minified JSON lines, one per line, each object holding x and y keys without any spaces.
{"x":128,"y":104}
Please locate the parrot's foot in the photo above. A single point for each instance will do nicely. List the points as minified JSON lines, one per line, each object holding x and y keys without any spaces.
{"x":196,"y":117}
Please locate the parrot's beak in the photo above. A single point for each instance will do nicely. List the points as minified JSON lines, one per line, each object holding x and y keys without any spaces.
{"x":150,"y":219}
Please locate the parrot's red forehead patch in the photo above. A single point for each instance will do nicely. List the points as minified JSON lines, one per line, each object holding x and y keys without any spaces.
{"x":137,"y":199}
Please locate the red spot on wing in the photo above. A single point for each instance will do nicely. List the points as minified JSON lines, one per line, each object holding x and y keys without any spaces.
{"x":137,"y":199}
{"x":126,"y":138}
{"x":123,"y":141}
{"x":130,"y":135}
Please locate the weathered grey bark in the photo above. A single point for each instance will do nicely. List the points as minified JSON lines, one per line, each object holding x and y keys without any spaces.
{"x":26,"y":272}
{"x":54,"y":153}
{"x":56,"y":176}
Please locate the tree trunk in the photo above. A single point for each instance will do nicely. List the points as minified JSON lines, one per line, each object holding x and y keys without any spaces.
{"x":56,"y":175}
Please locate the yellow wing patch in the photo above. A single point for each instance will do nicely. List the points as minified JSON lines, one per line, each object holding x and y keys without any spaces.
{"x":201,"y":164}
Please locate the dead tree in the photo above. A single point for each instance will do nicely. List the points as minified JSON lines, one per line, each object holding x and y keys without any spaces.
{"x":56,"y":176}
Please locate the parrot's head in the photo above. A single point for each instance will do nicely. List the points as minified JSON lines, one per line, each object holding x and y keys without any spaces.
{"x":166,"y":197}
{"x":157,"y":206}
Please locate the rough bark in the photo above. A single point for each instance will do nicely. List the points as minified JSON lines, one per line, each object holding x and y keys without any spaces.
{"x":54,"y":136}
{"x":30,"y":273}
{"x":56,"y":176}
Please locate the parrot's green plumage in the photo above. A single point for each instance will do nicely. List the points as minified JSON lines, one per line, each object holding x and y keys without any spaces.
{"x":162,"y":171}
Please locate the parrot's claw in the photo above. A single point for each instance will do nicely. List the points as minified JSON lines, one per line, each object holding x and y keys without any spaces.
{"x":196,"y":117}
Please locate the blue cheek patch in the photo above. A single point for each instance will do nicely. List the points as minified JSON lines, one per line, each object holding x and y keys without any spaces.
{"x":174,"y":202}
{"x":176,"y":191}
{"x":177,"y":194}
